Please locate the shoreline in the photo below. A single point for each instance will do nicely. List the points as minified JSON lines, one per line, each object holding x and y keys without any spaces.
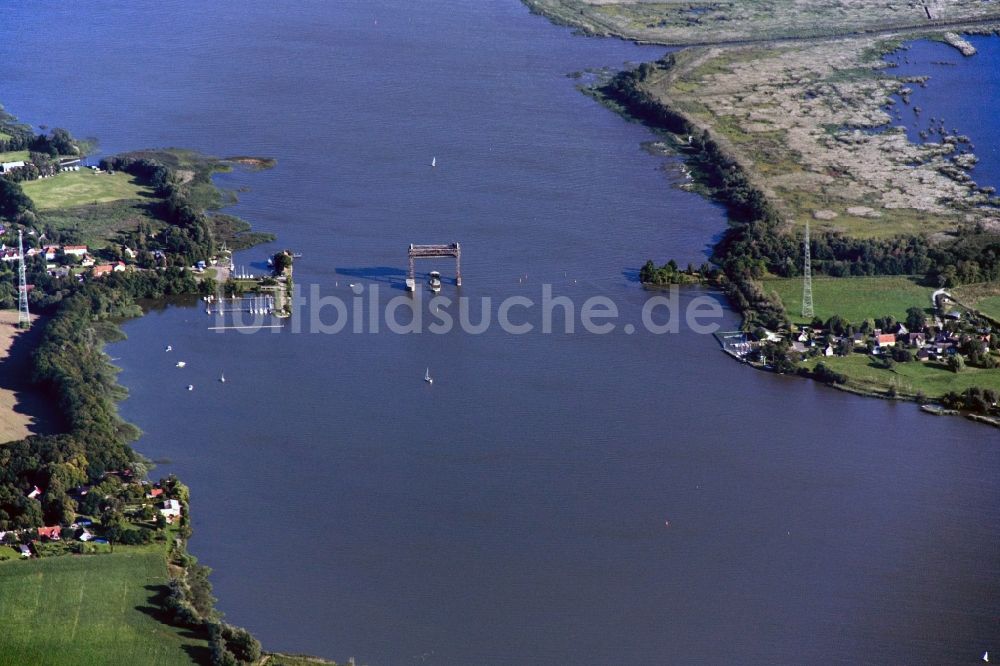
{"x":65,"y":353}
{"x":594,"y":20}
{"x":705,"y":155}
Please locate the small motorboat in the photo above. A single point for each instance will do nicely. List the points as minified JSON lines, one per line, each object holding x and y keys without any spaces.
{"x":435,"y":281}
{"x":434,"y":161}
{"x":169,"y":348}
{"x":427,"y":376}
{"x":190,"y":387}
{"x":180,"y":364}
{"x":222,"y":378}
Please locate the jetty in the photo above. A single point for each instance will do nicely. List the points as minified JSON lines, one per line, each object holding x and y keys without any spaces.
{"x":257,"y":304}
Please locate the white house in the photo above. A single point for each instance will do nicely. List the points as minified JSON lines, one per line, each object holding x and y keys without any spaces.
{"x":75,"y":250}
{"x":7,"y":167}
{"x":171,"y":510}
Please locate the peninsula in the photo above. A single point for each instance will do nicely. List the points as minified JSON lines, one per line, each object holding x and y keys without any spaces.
{"x":789,"y":114}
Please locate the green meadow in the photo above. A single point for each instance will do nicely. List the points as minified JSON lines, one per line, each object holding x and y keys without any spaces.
{"x":90,"y":610}
{"x":70,"y":189}
{"x":855,"y":299}
{"x":909,"y":379}
{"x":13,"y":155}
{"x":983,"y":296}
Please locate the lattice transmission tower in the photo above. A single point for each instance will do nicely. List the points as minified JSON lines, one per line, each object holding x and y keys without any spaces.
{"x":807,"y":281}
{"x":23,"y":317}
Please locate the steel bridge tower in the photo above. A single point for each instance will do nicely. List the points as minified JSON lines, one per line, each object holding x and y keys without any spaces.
{"x":807,"y":280}
{"x":23,"y":317}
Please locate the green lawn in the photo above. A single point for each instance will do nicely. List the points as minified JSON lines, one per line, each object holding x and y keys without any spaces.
{"x":854,"y":299}
{"x":82,"y":610}
{"x":14,"y":155}
{"x":70,"y":189}
{"x":932,"y":379}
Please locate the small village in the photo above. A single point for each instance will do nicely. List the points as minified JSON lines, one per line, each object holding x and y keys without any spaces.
{"x":121,"y":510}
{"x":82,"y":263}
{"x":949,"y":336}
{"x":952,"y":330}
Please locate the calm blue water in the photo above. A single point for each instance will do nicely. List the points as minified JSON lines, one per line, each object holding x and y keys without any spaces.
{"x":963,"y":92}
{"x":515,"y":510}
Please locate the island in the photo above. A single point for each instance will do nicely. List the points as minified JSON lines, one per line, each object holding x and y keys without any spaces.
{"x":790,"y":115}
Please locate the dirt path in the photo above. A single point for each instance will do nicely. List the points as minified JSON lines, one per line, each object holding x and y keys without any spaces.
{"x":22,"y":411}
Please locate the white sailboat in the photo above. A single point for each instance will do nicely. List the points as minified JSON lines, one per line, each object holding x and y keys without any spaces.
{"x":427,"y":376}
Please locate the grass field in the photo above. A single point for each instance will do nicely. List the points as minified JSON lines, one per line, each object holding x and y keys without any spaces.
{"x":94,"y":610}
{"x":81,"y":188}
{"x":931,"y":379}
{"x":97,"y":224}
{"x":984,"y":296}
{"x":854,"y":299}
{"x":14,"y":155}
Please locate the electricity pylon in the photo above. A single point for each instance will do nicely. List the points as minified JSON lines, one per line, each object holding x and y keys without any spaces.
{"x":23,"y":317}
{"x":807,"y":281}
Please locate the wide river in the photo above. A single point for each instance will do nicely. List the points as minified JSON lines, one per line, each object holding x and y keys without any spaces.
{"x":550,"y":499}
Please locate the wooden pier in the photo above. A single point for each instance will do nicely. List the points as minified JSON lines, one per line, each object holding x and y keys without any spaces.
{"x":429,"y":251}
{"x":251,"y":304}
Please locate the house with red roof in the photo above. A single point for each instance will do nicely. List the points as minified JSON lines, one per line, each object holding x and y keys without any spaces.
{"x":50,"y":533}
{"x":886,"y":340}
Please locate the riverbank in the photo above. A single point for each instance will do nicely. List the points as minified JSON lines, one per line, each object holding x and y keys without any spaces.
{"x":84,"y":490}
{"x":800,"y":132}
